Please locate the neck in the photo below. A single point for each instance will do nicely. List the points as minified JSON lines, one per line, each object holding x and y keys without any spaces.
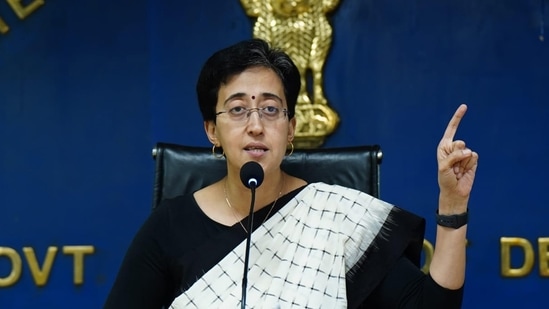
{"x":239,"y":196}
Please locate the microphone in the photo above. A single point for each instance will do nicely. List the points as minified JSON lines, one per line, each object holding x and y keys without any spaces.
{"x":251,"y":175}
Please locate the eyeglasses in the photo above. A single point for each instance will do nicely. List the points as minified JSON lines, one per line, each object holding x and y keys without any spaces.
{"x":241,"y":114}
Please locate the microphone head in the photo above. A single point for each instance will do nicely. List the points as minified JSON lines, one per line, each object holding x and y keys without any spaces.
{"x":251,"y":174}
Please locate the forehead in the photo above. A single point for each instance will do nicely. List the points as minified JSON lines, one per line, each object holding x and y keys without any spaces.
{"x":252,"y":82}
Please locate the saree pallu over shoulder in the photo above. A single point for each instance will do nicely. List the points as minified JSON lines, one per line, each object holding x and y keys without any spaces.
{"x":328,"y":247}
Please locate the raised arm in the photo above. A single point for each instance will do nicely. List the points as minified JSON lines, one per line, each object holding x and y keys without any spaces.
{"x":457,"y":166}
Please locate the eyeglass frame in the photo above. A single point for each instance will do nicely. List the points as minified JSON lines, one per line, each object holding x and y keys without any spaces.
{"x":250,"y":110}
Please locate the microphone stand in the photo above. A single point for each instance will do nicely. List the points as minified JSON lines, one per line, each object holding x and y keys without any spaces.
{"x":248,"y":244}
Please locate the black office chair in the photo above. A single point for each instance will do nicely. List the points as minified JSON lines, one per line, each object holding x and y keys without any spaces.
{"x":183,"y":169}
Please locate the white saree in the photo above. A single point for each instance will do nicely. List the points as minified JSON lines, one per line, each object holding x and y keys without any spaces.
{"x":300,"y":257}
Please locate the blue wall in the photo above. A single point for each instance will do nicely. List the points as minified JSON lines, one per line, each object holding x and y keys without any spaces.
{"x":88,"y":87}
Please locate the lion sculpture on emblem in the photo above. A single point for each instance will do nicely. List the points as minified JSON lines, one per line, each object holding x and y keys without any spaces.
{"x":301,"y":29}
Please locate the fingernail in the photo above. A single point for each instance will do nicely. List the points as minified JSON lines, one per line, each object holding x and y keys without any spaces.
{"x":466,"y":151}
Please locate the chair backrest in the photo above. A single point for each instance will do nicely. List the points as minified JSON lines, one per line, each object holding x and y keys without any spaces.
{"x":183,"y":169}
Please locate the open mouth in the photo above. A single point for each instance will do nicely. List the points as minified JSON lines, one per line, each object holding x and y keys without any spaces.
{"x":256,"y":149}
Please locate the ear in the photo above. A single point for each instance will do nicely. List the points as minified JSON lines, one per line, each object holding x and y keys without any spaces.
{"x":210,"y":128}
{"x":291,"y":129}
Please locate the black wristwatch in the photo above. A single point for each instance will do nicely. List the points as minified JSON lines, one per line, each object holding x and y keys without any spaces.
{"x":453,"y":221}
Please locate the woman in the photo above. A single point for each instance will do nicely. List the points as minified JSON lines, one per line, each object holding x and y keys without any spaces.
{"x":313,"y":245}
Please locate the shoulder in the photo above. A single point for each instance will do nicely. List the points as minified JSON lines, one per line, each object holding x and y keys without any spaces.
{"x":321,"y":188}
{"x":173,"y":203}
{"x":165,"y":219}
{"x":169,"y":225}
{"x":174,"y":208}
{"x":347,"y":200}
{"x":155,"y":236}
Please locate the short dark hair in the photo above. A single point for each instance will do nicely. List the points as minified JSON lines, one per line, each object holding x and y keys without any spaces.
{"x":235,"y":59}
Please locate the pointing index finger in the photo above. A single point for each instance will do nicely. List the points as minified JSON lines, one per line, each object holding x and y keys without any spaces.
{"x":451,"y":129}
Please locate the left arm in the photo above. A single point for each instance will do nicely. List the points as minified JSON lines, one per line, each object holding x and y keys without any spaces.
{"x":457,"y":166}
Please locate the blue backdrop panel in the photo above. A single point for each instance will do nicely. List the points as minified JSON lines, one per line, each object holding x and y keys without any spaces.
{"x":75,"y":127}
{"x":88,"y":87}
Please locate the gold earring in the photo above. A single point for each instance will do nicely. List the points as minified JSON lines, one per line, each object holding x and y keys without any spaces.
{"x":216,"y":155}
{"x":291,"y":149}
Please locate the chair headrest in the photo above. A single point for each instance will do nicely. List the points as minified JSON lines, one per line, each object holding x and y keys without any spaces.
{"x":184,"y":169}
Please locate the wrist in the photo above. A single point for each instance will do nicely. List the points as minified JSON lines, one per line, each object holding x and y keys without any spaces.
{"x":454,"y":221}
{"x":451,"y":205}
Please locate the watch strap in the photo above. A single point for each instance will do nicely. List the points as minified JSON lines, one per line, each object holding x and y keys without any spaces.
{"x":453,"y":221}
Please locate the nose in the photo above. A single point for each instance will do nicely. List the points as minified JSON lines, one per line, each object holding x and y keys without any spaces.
{"x":255,"y":109}
{"x":254,"y":123}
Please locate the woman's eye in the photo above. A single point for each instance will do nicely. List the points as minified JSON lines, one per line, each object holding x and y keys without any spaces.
{"x":271,"y":110}
{"x":237,"y":110}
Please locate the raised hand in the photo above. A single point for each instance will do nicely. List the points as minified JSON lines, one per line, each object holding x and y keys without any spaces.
{"x":457,"y":166}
